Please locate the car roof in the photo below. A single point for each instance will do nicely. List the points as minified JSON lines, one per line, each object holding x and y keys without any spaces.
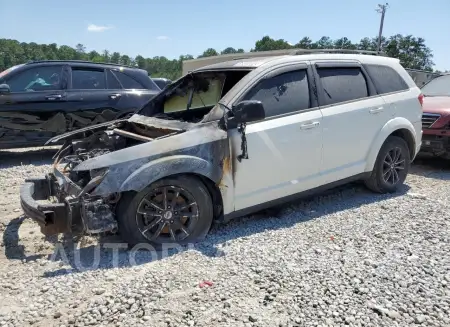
{"x":83,"y":63}
{"x":239,"y":63}
{"x":251,"y":63}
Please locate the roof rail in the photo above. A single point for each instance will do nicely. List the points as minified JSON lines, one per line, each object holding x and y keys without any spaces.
{"x":348,"y":51}
{"x":81,"y":62}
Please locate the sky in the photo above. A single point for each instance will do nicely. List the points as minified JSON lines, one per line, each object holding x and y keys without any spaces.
{"x":174,"y":27}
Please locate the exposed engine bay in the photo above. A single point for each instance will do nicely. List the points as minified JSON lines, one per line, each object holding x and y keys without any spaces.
{"x":97,"y":213}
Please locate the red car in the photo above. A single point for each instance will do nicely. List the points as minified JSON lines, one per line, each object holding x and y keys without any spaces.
{"x":436,"y":117}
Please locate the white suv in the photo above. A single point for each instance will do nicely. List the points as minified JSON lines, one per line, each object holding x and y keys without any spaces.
{"x":230,"y":139}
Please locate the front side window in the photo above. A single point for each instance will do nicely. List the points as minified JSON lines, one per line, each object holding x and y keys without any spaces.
{"x":440,"y":86}
{"x":42,"y":78}
{"x":343,"y":84}
{"x":88,"y":79}
{"x":281,"y":94}
{"x":10,"y":69}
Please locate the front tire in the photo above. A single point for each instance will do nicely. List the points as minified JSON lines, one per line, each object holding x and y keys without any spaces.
{"x":175,"y":210}
{"x":391,"y":167}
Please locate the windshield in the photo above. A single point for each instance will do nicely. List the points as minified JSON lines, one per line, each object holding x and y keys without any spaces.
{"x":440,"y":86}
{"x":3,"y":73}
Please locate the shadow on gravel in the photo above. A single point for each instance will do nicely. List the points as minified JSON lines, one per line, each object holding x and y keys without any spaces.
{"x":431,"y":167}
{"x":35,"y":157}
{"x":11,"y":242}
{"x":110,"y":253}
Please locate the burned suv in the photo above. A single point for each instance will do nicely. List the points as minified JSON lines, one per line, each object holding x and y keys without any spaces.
{"x":42,"y":99}
{"x":230,"y":139}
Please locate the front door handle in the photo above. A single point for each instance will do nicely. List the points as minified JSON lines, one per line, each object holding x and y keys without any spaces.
{"x":310,"y":125}
{"x":115,"y":96}
{"x":53,"y":97}
{"x":376,"y":110}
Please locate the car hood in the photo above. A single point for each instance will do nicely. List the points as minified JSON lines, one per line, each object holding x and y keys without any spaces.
{"x":437,"y":105}
{"x":79,"y":132}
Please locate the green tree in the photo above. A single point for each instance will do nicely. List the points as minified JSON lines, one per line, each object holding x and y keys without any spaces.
{"x":209,"y":53}
{"x":269,"y":44}
{"x":305,"y":43}
{"x":412,"y":52}
{"x":231,"y":50}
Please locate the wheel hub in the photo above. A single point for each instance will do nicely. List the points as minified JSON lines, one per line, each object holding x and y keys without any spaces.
{"x":168,"y":215}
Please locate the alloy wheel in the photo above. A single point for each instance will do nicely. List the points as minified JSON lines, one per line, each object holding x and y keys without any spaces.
{"x":393,"y":164}
{"x":167,"y":213}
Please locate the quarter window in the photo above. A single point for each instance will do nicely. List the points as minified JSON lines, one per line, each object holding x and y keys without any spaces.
{"x":281,"y":94}
{"x":127,"y":81}
{"x":386,"y":79}
{"x":88,"y":79}
{"x":342,"y":84}
{"x":44,"y":78}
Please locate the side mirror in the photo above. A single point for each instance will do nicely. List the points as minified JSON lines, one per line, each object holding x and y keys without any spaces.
{"x":248,"y":111}
{"x":4,"y":88}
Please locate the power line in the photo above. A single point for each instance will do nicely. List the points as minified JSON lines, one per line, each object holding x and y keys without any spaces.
{"x":382,"y":10}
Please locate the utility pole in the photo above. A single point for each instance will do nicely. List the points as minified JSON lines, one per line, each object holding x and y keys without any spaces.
{"x":382,"y":10}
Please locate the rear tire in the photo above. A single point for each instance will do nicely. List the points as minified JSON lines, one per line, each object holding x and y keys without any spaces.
{"x":173,"y":210}
{"x":391,"y":166}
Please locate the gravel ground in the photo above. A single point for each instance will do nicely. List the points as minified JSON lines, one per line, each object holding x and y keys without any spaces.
{"x":347,"y":257}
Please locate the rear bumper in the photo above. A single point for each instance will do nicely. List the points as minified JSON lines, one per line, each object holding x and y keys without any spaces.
{"x":434,"y":143}
{"x":53,"y":218}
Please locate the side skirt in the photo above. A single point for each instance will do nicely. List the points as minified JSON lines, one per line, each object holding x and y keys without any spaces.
{"x":290,"y":198}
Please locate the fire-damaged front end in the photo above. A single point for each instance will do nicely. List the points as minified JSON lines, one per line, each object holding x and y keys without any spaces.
{"x":97,"y":165}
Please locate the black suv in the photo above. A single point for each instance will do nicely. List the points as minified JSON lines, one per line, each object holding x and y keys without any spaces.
{"x":41,"y":99}
{"x":162,"y":82}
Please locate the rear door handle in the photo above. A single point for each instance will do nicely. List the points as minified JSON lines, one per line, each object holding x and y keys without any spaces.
{"x":115,"y":96}
{"x":310,"y":125}
{"x":376,"y":110}
{"x":53,"y":97}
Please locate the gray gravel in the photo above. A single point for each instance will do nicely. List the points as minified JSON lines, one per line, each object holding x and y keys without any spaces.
{"x":347,"y":257}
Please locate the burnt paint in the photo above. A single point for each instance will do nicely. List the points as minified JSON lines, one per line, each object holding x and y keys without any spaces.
{"x":199,"y":151}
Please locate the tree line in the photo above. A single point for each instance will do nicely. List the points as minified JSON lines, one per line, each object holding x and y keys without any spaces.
{"x":412,"y":52}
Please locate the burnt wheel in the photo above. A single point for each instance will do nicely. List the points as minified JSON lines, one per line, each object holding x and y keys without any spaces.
{"x":173,"y":210}
{"x":391,"y":167}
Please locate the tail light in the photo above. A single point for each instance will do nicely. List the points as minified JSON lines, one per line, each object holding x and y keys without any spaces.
{"x":421,"y":99}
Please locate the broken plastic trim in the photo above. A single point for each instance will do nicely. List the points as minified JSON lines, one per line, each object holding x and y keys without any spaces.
{"x":93,"y":183}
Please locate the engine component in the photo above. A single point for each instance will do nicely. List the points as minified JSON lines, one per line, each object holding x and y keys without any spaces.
{"x":97,"y":216}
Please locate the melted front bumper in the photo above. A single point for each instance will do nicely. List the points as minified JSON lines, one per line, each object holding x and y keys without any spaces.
{"x":53,"y":218}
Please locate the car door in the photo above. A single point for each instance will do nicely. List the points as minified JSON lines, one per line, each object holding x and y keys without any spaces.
{"x":133,"y":94}
{"x":284,"y":149}
{"x":89,"y":99}
{"x":353,"y":114}
{"x":30,"y":112}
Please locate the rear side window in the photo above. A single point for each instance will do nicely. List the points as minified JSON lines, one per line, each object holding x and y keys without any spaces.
{"x":113,"y":83}
{"x":386,"y":79}
{"x":88,"y":79}
{"x":281,"y":94}
{"x":342,"y":84}
{"x":127,"y":81}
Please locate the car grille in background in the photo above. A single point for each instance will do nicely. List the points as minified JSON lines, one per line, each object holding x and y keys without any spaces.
{"x":429,"y":119}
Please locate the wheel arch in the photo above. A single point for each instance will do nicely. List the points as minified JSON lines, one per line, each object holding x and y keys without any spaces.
{"x":169,"y":166}
{"x":399,"y":127}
